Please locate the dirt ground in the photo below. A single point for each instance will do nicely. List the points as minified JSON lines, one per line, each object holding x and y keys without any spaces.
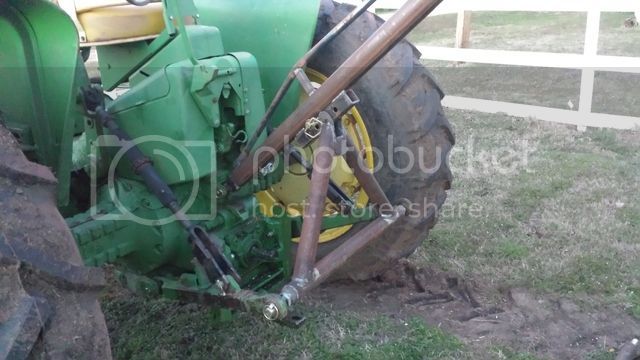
{"x":550,"y":327}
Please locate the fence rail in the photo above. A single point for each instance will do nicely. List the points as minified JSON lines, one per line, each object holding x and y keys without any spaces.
{"x":589,"y":62}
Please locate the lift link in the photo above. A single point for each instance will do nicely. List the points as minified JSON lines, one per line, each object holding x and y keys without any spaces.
{"x":205,"y":250}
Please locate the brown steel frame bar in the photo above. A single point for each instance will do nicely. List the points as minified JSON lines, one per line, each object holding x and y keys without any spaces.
{"x":314,"y":209}
{"x":364,"y":176}
{"x":336,"y":258}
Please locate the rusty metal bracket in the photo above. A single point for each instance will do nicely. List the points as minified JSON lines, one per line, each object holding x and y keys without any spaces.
{"x":334,"y":112}
{"x":364,"y":175}
{"x":335,"y":193}
{"x":303,"y":79}
{"x":295,"y":289}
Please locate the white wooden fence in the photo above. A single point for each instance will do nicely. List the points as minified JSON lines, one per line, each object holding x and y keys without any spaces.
{"x":589,"y":62}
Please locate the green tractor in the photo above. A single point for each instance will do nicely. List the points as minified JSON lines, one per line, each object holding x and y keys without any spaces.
{"x":235,"y":153}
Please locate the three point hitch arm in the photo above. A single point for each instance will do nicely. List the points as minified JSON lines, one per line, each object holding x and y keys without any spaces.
{"x":308,"y":273}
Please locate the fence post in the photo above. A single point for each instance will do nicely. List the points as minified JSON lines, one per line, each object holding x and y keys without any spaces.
{"x":463,"y":29}
{"x":588,"y":74}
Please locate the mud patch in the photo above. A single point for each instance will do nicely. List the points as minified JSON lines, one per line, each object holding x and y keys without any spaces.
{"x":546,"y":325}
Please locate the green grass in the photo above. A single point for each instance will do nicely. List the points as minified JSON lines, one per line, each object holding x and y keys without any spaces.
{"x":564,"y":221}
{"x":488,"y":29}
{"x":633,"y":296}
{"x":532,"y":31}
{"x":615,"y":93}
{"x":601,"y":355}
{"x":163,"y":330}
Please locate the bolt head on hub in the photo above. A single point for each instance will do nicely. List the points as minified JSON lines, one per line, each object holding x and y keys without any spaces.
{"x":271,"y":312}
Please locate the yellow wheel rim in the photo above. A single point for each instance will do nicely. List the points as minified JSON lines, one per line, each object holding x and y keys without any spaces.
{"x":291,"y":191}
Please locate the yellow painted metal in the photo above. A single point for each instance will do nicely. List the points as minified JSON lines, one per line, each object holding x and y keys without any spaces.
{"x":120,"y":23}
{"x":292,"y":190}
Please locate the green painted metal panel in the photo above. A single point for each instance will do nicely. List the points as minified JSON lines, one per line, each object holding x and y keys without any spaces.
{"x":40,"y":73}
{"x":276,"y":32}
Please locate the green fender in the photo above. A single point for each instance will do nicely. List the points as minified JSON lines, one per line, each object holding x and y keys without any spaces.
{"x":276,"y":32}
{"x":40,"y":73}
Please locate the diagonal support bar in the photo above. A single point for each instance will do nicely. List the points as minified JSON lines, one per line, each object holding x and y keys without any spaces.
{"x":293,"y":291}
{"x":365,"y":177}
{"x":338,"y":257}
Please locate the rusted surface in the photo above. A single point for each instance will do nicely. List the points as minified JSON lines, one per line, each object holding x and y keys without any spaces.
{"x":314,"y":209}
{"x":297,"y":288}
{"x":373,"y":49}
{"x":359,"y":240}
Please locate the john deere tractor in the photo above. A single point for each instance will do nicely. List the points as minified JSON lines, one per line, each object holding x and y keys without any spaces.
{"x":234,"y":153}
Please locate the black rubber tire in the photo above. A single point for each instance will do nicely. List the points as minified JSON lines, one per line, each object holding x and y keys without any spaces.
{"x":49,"y":305}
{"x":398,"y":98}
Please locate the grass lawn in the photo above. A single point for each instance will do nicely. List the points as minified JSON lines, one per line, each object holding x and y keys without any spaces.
{"x":614,"y":93}
{"x":559,"y":213}
{"x":532,"y":31}
{"x":164,"y":330}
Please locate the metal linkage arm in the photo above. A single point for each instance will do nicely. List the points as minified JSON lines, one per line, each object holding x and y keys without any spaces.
{"x":308,"y":273}
{"x":366,"y":179}
{"x":314,"y":209}
{"x":293,"y":291}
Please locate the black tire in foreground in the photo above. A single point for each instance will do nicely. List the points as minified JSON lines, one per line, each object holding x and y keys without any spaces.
{"x":400,"y":104}
{"x":48,"y":300}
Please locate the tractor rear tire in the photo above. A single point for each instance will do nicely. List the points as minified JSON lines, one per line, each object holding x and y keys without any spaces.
{"x":400,"y":104}
{"x":48,"y":300}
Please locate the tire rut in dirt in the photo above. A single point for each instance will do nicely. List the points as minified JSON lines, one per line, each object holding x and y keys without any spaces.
{"x":48,"y":303}
{"x":400,"y":104}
